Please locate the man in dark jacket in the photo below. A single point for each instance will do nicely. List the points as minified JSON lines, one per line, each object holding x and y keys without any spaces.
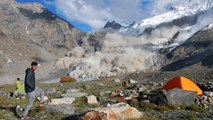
{"x":31,"y":90}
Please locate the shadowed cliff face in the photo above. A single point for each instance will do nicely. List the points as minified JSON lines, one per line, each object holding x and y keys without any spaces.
{"x":28,"y":32}
{"x":196,"y":50}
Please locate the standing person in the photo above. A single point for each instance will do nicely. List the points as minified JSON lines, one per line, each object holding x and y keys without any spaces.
{"x":31,"y":90}
{"x":18,"y":83}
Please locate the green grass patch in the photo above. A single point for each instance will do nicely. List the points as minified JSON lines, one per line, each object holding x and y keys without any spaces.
{"x":80,"y":104}
{"x":196,"y":108}
{"x":192,"y":116}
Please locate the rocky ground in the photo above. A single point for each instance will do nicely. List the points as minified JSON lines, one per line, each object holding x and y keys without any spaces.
{"x":74,"y":100}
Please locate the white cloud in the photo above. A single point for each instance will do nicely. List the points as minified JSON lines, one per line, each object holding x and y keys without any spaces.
{"x":97,"y":12}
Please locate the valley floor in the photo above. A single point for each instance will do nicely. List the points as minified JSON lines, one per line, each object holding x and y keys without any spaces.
{"x":151,"y":111}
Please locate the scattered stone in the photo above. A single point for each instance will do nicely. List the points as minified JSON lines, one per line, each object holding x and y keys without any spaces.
{"x":126,"y":93}
{"x":132,"y":81}
{"x":62,"y":101}
{"x":57,"y":94}
{"x":86,"y":87}
{"x":161,"y":84}
{"x":175,"y":97}
{"x":67,"y":79}
{"x":121,"y":111}
{"x":74,"y":94}
{"x":141,"y":88}
{"x":45,"y":98}
{"x":101,"y":84}
{"x":72,"y":90}
{"x":208,"y":93}
{"x":144,"y":102}
{"x":103,"y":93}
{"x":121,"y":94}
{"x":19,"y":110}
{"x":206,"y":87}
{"x":50,"y":91}
{"x":210,"y":100}
{"x":117,"y":80}
{"x":92,"y":99}
{"x":65,"y":109}
{"x":18,"y":95}
{"x":102,"y":100}
{"x":121,"y":99}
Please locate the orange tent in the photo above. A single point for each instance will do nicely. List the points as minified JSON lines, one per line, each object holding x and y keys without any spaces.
{"x":182,"y":83}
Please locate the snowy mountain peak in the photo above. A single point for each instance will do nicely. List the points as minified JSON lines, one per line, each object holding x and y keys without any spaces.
{"x":174,"y":13}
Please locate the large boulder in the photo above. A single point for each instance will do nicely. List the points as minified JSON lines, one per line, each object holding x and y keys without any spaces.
{"x":65,"y":109}
{"x":62,"y":101}
{"x":120,"y":111}
{"x":67,"y":79}
{"x":175,"y":96}
{"x":74,"y":93}
{"x":94,"y":115}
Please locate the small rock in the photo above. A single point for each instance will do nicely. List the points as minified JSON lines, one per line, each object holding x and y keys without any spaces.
{"x":86,"y":87}
{"x":103,"y":93}
{"x":144,"y":102}
{"x":62,"y":101}
{"x":50,"y":91}
{"x":57,"y":94}
{"x":121,"y":94}
{"x":126,"y":93}
{"x":204,"y":97}
{"x":133,"y":81}
{"x":210,"y":100}
{"x":208,"y":93}
{"x":72,"y":90}
{"x":121,"y":99}
{"x":161,"y":84}
{"x":67,"y":79}
{"x":19,"y":110}
{"x":141,"y":89}
{"x":147,"y":91}
{"x":117,"y":80}
{"x":92,"y":99}
{"x":101,"y":100}
{"x":45,"y":98}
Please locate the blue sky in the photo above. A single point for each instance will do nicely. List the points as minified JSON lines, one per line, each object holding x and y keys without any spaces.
{"x":91,"y":15}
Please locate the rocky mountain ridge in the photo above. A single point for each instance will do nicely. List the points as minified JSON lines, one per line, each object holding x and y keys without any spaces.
{"x":29,"y":32}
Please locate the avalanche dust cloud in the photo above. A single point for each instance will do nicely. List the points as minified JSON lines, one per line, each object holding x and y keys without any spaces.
{"x":115,"y":54}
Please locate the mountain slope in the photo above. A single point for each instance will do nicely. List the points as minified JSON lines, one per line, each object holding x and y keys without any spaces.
{"x":29,"y":32}
{"x":196,"y":50}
